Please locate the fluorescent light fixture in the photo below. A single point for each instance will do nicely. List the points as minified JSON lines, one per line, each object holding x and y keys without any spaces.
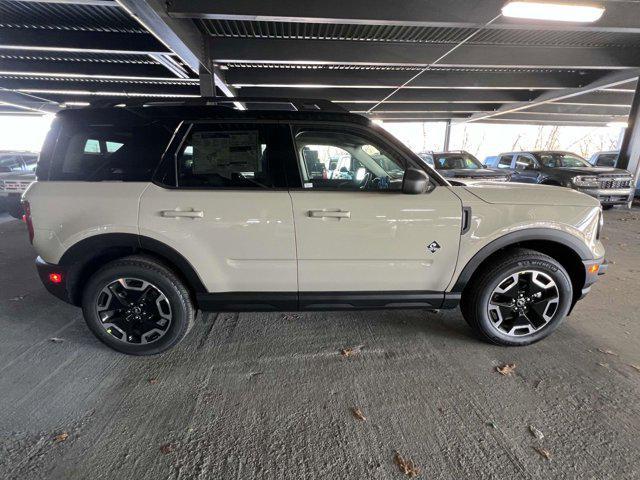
{"x":557,"y":12}
{"x":618,"y":124}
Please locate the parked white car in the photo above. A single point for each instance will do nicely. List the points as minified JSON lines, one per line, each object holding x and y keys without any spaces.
{"x":143,"y":215}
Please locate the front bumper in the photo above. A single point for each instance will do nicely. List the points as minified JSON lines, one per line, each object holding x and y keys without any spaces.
{"x":60,"y":290}
{"x":619,"y":196}
{"x":593,"y":269}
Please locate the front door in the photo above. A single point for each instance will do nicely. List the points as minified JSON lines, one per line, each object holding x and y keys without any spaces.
{"x":526,"y":169}
{"x":355,"y":229}
{"x":228,"y":212}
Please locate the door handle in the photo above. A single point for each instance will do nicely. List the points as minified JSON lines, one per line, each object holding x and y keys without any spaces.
{"x":329,"y":214}
{"x":182,"y":214}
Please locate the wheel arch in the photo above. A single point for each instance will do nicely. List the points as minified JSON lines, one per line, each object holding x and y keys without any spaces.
{"x":566,"y":249}
{"x":90,"y":254}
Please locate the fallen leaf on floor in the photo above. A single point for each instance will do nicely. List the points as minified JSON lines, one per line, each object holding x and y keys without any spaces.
{"x":538,"y":383}
{"x":61,"y":437}
{"x":350,"y":351}
{"x":506,"y":369}
{"x":357,"y":413}
{"x":166,"y":449}
{"x":536,"y":433}
{"x":635,"y":367}
{"x":406,"y":466}
{"x":492,"y":425}
{"x":605,"y":365}
{"x":253,"y":374}
{"x":544,"y":452}
{"x":153,"y":381}
{"x":607,"y":352}
{"x":18,"y":298}
{"x":290,"y":316}
{"x":56,"y":339}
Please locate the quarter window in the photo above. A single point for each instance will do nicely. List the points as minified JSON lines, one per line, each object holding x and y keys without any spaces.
{"x":346,"y":161}
{"x":123,"y":153}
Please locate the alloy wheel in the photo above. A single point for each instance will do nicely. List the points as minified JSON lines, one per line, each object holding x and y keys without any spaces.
{"x":523,"y":303}
{"x":134,"y":311}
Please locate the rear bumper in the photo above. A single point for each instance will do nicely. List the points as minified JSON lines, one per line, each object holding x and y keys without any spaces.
{"x":59,"y":290}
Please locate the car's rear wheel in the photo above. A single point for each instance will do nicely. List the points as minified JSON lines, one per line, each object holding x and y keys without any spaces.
{"x":518,"y":300}
{"x":137,"y":306}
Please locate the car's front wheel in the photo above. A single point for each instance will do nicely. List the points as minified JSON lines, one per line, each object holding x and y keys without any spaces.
{"x":519,"y":299}
{"x":137,"y":306}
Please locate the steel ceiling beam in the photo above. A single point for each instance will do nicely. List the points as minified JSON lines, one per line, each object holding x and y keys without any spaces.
{"x":79,"y":41}
{"x":440,"y":79}
{"x":619,"y":16}
{"x":179,"y":35}
{"x":608,"y":81}
{"x":83,"y":87}
{"x":27,"y":102}
{"x":422,"y":107}
{"x":33,"y":66}
{"x":337,"y":52}
{"x":415,"y":95}
{"x":568,"y":108}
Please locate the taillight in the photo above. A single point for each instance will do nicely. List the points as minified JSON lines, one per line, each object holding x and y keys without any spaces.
{"x":26,"y":208}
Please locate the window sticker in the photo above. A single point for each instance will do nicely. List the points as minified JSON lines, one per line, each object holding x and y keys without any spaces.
{"x":224,"y":153}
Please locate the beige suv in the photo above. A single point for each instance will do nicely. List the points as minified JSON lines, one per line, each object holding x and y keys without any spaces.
{"x":143,"y":215}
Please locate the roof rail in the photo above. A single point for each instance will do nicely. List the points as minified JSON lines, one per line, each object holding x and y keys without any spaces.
{"x":298,"y":104}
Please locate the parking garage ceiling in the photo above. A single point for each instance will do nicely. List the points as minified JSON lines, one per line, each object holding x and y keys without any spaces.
{"x":356,"y":53}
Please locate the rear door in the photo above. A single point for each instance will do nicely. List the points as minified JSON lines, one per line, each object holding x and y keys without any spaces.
{"x":359,"y":232}
{"x":225,"y":207}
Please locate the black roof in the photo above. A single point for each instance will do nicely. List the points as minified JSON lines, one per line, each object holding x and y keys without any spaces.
{"x":136,"y":114}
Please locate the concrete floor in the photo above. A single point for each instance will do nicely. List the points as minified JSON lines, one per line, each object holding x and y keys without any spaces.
{"x":270,"y":396}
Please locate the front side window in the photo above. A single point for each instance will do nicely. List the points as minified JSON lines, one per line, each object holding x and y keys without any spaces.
{"x":525,"y":163}
{"x":505,"y":161}
{"x":10,"y":163}
{"x":228,"y":155}
{"x":346,"y":161}
{"x":454,"y":161}
{"x":562,"y":160}
{"x":607,"y":160}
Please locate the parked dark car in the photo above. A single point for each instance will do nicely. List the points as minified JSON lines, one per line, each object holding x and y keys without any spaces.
{"x":609,"y":159}
{"x":611,"y":186}
{"x":462,"y":167}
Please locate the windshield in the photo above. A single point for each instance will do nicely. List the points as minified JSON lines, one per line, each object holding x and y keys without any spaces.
{"x":450,"y":161}
{"x":562,"y":160}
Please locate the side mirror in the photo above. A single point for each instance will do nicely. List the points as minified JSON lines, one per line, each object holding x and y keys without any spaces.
{"x":415,"y":181}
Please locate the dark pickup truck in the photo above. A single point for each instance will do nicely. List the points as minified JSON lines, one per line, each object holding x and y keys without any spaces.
{"x":611,"y":186}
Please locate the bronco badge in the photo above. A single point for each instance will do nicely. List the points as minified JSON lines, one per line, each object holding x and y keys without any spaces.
{"x":433,"y":247}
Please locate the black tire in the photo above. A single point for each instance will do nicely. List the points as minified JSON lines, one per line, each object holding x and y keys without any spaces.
{"x":165,"y":281}
{"x":607,"y":207}
{"x":476,"y":298}
{"x":14,"y":209}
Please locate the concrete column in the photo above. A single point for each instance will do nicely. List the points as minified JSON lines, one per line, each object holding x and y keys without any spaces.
{"x":447,"y":136}
{"x":629,"y":157}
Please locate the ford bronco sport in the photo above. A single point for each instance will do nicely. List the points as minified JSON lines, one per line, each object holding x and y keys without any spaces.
{"x":144,"y":214}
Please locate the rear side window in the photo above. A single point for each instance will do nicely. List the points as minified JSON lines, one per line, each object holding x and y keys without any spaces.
{"x":235,"y":155}
{"x":109,"y":152}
